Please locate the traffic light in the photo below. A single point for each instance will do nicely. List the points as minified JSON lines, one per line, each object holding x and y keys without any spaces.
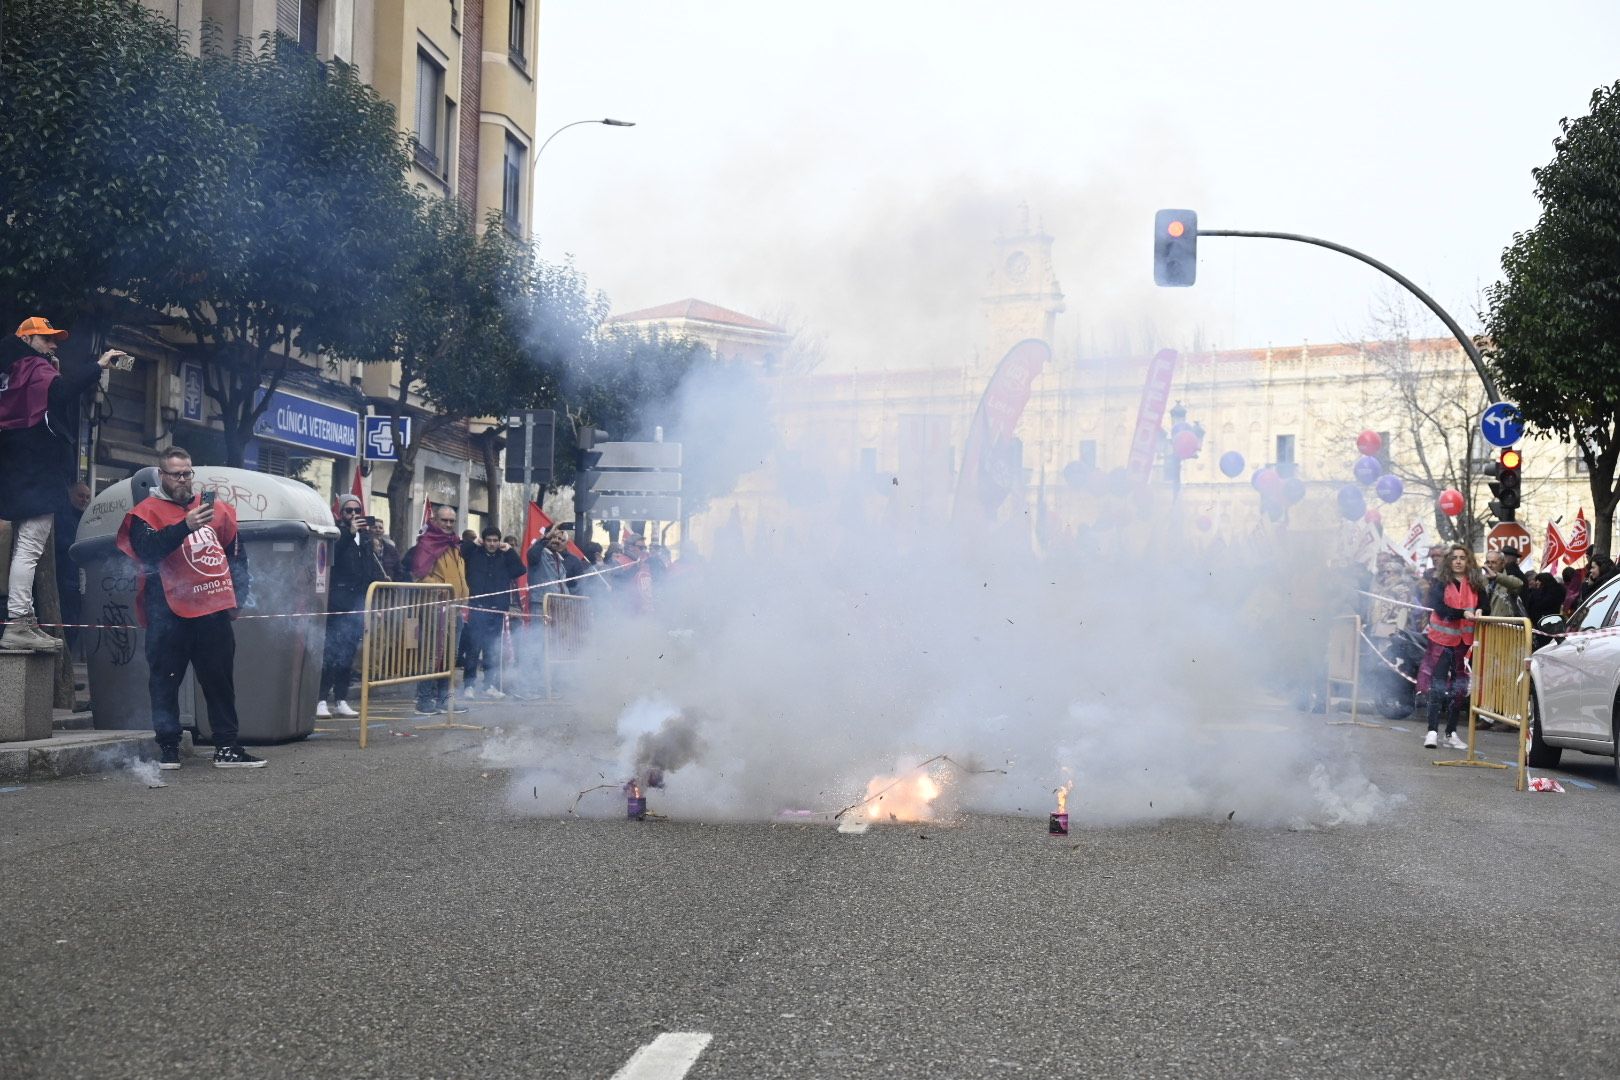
{"x":1175,"y":247}
{"x":530,"y":442}
{"x":1505,"y":482}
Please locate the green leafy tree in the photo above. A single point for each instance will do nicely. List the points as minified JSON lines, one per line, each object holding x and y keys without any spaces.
{"x":318,"y":214}
{"x":477,"y":326}
{"x":114,"y":160}
{"x":1553,"y":324}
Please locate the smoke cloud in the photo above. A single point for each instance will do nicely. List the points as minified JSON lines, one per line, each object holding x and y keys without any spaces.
{"x":852,"y":636}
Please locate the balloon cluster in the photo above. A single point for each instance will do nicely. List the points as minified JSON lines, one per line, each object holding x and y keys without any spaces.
{"x":1368,"y":472}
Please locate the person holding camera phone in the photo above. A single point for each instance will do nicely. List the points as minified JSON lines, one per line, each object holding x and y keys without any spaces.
{"x":39,"y":420}
{"x":356,"y":563}
{"x":193,"y":577}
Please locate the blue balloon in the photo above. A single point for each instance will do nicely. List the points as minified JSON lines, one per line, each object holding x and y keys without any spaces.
{"x":1231,"y":463}
{"x":1367,"y":469}
{"x":1352,"y":507}
{"x":1293,"y":490}
{"x":1389,"y":487}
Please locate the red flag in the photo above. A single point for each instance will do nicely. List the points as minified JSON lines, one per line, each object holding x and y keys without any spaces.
{"x":533,"y":530}
{"x":1556,"y":549}
{"x":359,"y":490}
{"x":1580,"y":538}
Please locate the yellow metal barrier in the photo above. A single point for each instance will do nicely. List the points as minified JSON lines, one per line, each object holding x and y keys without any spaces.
{"x":1501,"y":686}
{"x":1344,"y":666}
{"x":410,"y":637}
{"x":567,"y":628}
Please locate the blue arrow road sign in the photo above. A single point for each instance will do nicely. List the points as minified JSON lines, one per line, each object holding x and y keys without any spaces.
{"x":1501,"y":424}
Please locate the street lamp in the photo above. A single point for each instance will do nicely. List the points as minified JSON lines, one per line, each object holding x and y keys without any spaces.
{"x":610,"y":122}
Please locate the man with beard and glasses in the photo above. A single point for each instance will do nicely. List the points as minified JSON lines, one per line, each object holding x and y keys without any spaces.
{"x":193,"y":579}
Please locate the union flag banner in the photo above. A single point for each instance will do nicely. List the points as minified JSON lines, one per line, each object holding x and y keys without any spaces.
{"x":1150,"y":414}
{"x":988,"y":464}
{"x":1580,"y":538}
{"x":1555,"y":550}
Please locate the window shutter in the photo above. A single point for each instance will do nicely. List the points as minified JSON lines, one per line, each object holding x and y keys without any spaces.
{"x":287,"y":12}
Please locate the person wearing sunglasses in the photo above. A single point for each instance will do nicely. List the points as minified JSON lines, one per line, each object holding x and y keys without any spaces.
{"x":355,"y":565}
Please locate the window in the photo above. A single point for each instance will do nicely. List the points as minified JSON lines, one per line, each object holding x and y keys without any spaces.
{"x":1285,"y":450}
{"x":517,"y":32}
{"x":512,"y":187}
{"x":1088,"y":453}
{"x":430,"y":125}
{"x":1590,"y":615}
{"x":308,"y":19}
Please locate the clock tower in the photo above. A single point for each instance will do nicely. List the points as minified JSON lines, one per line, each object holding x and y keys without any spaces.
{"x":1023,"y":299}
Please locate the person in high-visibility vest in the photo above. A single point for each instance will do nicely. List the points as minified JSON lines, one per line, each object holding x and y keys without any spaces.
{"x":1454,"y":599}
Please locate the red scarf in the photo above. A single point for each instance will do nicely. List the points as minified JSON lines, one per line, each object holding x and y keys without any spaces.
{"x":196,"y":575}
{"x":25,"y":391}
{"x":430,"y":547}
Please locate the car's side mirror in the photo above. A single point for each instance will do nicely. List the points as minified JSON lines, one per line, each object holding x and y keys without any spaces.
{"x":1552,"y":625}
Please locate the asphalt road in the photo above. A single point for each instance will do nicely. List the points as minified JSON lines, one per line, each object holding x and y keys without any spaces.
{"x":382,"y":914}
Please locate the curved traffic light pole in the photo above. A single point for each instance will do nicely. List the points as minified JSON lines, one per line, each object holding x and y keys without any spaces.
{"x":1451,"y":324}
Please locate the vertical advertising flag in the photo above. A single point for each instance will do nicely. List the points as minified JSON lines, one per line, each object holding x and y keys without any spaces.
{"x":987,"y":475}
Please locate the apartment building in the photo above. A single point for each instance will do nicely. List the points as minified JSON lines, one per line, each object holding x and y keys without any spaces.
{"x":460,"y":75}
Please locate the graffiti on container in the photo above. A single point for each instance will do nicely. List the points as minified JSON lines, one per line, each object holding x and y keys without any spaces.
{"x":115,"y":634}
{"x":243,"y":498}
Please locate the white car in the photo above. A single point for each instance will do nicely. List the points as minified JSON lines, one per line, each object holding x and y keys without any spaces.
{"x":1575,"y":683}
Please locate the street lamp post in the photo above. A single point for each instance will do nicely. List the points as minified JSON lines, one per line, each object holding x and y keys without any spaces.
{"x":610,"y":122}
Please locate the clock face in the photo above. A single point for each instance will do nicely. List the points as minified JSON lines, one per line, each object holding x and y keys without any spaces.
{"x":1017,"y":266}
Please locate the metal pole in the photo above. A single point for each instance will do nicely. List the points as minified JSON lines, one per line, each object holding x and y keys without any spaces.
{"x":1451,"y":324}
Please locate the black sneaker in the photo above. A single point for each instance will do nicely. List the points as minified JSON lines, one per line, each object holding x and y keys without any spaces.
{"x":427,"y":709}
{"x":234,"y":757}
{"x":168,"y":758}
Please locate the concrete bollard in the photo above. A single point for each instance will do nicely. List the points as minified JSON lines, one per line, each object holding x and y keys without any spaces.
{"x":27,"y":690}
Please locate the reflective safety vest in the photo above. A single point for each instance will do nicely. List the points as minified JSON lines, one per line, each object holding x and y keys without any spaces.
{"x":1449,"y":632}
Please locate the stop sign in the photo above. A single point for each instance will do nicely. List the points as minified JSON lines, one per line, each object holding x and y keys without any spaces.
{"x":1509,"y":532}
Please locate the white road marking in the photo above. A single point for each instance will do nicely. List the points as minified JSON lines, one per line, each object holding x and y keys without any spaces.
{"x":853,"y":824}
{"x":667,"y":1057}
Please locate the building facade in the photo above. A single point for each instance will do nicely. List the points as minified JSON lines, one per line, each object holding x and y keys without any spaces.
{"x":884,"y":448}
{"x":460,"y":75}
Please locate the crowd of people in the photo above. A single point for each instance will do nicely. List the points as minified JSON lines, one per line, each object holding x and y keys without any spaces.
{"x":1442,"y":603}
{"x":501,"y":591}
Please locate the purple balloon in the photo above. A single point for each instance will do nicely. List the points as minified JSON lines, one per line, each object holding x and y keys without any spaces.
{"x":1389,"y":487}
{"x":1351,"y":504}
{"x":1293,"y":490}
{"x":1367,"y":469}
{"x":1231,"y":463}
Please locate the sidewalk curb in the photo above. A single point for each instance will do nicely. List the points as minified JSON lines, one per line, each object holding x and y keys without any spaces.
{"x":78,"y":753}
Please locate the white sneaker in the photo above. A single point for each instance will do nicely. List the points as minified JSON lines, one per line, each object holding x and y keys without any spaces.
{"x":322,"y":712}
{"x":344,"y":710}
{"x":1431,"y":740}
{"x":1455,"y":743}
{"x":493,"y":694}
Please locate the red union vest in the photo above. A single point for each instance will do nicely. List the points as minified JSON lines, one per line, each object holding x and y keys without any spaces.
{"x":1449,"y":632}
{"x":196,"y":576}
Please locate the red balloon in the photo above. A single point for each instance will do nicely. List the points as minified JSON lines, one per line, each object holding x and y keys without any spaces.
{"x":1451,"y":502}
{"x":1373,"y":517}
{"x":1269,"y":483}
{"x":1185,"y":444}
{"x":1369,"y":443}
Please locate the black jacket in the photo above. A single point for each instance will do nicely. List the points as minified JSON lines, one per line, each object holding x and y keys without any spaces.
{"x":490,"y":572}
{"x":354,"y":567}
{"x":37,"y":464}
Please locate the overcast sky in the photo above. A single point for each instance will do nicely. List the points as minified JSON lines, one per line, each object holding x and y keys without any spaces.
{"x":849,"y":162}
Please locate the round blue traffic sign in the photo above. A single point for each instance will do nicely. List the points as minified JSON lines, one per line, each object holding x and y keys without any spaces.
{"x":1501,"y":424}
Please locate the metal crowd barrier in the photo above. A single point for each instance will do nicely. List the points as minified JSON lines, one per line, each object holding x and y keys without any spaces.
{"x":567,"y":628}
{"x":1344,"y":666}
{"x":1501,"y":686}
{"x":410,"y":637}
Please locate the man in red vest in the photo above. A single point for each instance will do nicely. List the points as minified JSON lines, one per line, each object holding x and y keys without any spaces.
{"x":190,"y":566}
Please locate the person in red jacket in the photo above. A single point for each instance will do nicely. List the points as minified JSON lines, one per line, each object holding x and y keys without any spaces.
{"x":191,"y":569}
{"x":1454,"y":599}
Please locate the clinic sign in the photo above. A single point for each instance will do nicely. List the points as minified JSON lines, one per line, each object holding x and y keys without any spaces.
{"x":380,"y":437}
{"x":313,"y":425}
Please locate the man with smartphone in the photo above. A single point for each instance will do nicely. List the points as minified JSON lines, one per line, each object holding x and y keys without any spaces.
{"x":355,"y":565}
{"x":193,"y":578}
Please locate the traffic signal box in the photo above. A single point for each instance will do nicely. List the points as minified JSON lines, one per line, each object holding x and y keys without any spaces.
{"x":1175,"y":247}
{"x":1505,"y":483}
